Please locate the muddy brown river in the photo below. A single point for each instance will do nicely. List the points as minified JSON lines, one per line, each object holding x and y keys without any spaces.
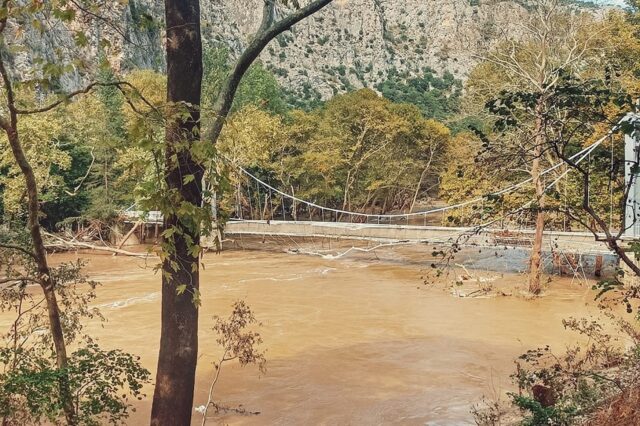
{"x":348,"y":341}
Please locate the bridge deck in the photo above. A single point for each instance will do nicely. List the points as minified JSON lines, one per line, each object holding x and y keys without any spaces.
{"x":577,"y":242}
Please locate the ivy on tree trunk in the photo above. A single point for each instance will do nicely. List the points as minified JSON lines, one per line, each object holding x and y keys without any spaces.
{"x":177,"y":358}
{"x":184,"y":213}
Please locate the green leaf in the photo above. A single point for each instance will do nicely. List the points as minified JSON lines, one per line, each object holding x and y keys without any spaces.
{"x":168,"y":233}
{"x":81,"y":39}
{"x":196,"y":297}
{"x":66,"y":15}
{"x":195,"y":250}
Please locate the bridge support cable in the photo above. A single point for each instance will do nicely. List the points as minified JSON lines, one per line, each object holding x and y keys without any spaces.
{"x":334,"y":214}
{"x":577,"y":157}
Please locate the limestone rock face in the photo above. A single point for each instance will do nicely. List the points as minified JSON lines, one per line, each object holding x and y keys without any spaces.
{"x":349,"y":44}
{"x":355,"y":43}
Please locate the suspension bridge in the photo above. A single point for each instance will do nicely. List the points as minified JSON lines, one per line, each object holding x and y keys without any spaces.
{"x":276,"y":219}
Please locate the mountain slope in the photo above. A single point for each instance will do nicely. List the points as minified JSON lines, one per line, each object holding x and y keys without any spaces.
{"x":356,"y":43}
{"x":349,"y":44}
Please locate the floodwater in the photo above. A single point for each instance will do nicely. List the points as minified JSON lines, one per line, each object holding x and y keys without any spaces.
{"x":349,"y":341}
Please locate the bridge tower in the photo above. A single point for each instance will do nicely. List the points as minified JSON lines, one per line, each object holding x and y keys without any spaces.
{"x":632,"y":175}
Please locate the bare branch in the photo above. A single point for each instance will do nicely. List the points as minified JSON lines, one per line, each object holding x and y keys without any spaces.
{"x":6,"y":283}
{"x":69,"y":96}
{"x":17,"y":248}
{"x":101,"y":18}
{"x":73,"y":244}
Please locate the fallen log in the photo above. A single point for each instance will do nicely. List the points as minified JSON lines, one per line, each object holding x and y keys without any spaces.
{"x":73,"y":244}
{"x":129,"y":234}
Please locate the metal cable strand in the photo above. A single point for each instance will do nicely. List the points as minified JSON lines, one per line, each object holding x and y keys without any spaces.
{"x":580,"y":156}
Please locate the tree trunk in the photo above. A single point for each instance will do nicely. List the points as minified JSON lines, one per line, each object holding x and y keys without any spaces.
{"x":345,"y":198}
{"x":417,"y":191}
{"x":173,"y":395}
{"x":44,"y":274}
{"x":294,"y":207}
{"x":177,"y":358}
{"x":536,"y":251}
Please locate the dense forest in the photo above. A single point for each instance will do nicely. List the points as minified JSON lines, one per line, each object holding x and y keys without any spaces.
{"x":101,"y":156}
{"x":178,"y":142}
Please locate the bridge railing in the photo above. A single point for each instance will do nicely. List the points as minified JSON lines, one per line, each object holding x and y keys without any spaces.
{"x":266,"y":202}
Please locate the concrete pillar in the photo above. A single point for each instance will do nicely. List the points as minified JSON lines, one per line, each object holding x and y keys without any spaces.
{"x":631,"y":173}
{"x":632,"y":203}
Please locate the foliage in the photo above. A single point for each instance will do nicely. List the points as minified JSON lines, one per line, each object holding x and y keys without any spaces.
{"x":541,"y":415}
{"x":358,"y":151}
{"x":139,"y":164}
{"x":90,"y":155}
{"x":100,"y":380}
{"x":565,"y":389}
{"x":237,"y":342}
{"x":101,"y":153}
{"x":437,"y":97}
{"x":573,"y":97}
{"x":580,"y":379}
{"x":465,"y":177}
{"x":307,"y":98}
{"x":65,"y":200}
{"x":577,"y":110}
{"x":259,"y":86}
{"x":252,"y":136}
{"x":41,"y":140}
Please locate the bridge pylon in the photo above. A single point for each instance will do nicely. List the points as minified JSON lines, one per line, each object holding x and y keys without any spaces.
{"x":632,"y":175}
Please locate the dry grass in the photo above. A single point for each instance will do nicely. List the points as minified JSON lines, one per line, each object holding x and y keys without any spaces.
{"x":622,"y":410}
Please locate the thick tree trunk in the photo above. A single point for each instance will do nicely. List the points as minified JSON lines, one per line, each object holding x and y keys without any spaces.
{"x":536,"y":251}
{"x":173,"y":395}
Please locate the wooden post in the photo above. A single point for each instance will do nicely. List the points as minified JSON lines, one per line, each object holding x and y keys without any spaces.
{"x":129,"y":234}
{"x":597,"y":269}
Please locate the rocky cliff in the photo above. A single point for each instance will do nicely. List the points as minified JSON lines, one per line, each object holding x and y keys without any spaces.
{"x":356,"y":43}
{"x":349,"y":44}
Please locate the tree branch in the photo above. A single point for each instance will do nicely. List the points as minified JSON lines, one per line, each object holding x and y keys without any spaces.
{"x":18,"y":248}
{"x":267,"y":32}
{"x":6,"y":283}
{"x":612,"y":241}
{"x":101,"y":18}
{"x":67,"y":97}
{"x":72,"y":244}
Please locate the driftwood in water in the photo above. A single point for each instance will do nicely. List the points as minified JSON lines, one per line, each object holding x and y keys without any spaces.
{"x":61,"y":243}
{"x":129,"y":234}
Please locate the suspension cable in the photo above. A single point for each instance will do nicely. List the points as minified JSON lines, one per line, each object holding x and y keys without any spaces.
{"x":578,"y":157}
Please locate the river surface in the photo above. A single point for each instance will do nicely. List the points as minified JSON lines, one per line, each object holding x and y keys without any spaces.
{"x":349,"y":341}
